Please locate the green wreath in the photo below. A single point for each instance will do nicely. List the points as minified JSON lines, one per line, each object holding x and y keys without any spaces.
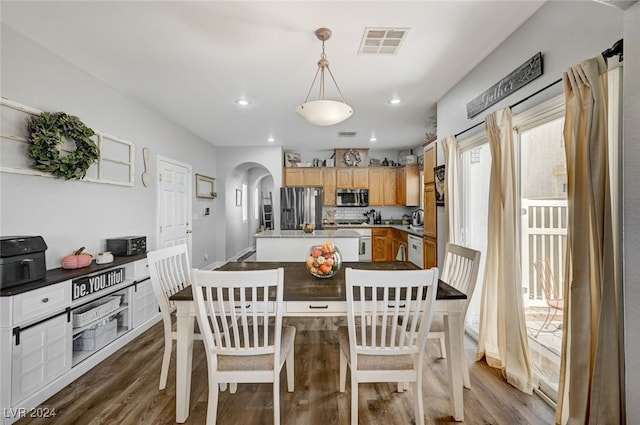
{"x":47,"y":131}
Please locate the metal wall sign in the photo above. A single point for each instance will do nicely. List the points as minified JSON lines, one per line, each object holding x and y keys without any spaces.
{"x":523,"y":75}
{"x":88,"y":285}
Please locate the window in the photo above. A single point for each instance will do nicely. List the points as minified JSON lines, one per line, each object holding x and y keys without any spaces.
{"x":543,"y":191}
{"x":256,"y":203}
{"x":245,"y":206}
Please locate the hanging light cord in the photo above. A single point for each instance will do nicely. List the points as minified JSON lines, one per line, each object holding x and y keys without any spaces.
{"x":322,"y":64}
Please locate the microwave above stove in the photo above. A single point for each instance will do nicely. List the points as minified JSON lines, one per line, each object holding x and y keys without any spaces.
{"x":352,"y":197}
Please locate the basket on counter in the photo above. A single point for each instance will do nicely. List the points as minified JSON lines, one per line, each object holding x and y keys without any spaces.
{"x":95,"y":310}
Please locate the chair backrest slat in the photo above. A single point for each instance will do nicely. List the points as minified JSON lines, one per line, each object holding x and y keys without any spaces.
{"x":240,"y":307}
{"x":169,"y":269}
{"x":460,"y":270}
{"x":391,"y":310}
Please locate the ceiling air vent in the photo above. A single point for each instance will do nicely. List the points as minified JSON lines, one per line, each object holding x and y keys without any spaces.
{"x":382,"y":41}
{"x":347,"y":133}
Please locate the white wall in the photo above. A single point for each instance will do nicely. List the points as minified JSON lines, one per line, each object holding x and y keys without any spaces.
{"x":631,"y":210}
{"x":70,"y":214}
{"x":232,"y":162}
{"x":565,"y":32}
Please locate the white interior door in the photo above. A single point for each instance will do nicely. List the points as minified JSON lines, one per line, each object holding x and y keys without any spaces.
{"x":174,"y":203}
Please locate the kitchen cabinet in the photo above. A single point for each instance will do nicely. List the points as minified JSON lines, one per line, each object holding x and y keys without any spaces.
{"x":408,"y":186}
{"x":430,"y":238}
{"x":352,"y":178}
{"x":309,"y":177}
{"x":381,"y":244}
{"x":398,"y":239}
{"x":329,"y":186}
{"x":382,"y":186}
{"x":61,"y":327}
{"x":375,"y":186}
{"x":430,"y":212}
{"x":430,"y":252}
{"x":390,"y":186}
{"x":430,"y":162}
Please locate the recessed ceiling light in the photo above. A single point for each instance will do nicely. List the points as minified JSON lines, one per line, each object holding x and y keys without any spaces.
{"x":271,"y":139}
{"x":242,"y":102}
{"x":373,"y":139}
{"x":394,"y":101}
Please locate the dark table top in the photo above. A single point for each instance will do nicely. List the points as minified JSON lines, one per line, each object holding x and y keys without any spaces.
{"x":300,"y":285}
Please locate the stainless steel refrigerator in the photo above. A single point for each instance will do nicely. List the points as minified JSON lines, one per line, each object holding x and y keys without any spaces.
{"x":299,"y":205}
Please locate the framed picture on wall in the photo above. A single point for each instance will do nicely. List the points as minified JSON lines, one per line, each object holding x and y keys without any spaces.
{"x":439,"y":175}
{"x":205,"y":187}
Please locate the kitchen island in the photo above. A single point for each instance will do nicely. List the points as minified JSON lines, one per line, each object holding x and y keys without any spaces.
{"x":294,"y":245}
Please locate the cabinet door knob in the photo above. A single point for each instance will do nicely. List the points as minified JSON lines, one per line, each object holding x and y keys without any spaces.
{"x":45,"y":300}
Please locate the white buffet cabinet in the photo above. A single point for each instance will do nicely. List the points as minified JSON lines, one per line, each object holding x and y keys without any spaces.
{"x":51,"y":335}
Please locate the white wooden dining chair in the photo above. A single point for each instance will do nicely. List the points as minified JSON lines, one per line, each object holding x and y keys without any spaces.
{"x":460,"y":270}
{"x":388,"y":315}
{"x":240,"y":317}
{"x":170,"y":272}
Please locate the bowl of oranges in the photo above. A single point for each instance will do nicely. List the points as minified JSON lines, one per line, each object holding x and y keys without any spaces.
{"x":324,"y":260}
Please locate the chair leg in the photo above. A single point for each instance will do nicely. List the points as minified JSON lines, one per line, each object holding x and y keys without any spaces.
{"x":466,"y":382}
{"x":419,"y":405}
{"x":276,"y":398}
{"x":545,"y":323}
{"x":290,"y":371}
{"x":212,"y":403}
{"x":343,"y":371}
{"x":443,"y":348}
{"x":166,"y":359}
{"x":354,"y":399}
{"x":233,"y":387}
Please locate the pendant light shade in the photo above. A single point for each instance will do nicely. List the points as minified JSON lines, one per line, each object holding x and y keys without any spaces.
{"x":324,"y":112}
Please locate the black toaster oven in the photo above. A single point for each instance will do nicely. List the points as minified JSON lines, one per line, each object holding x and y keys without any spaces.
{"x":127,"y":245}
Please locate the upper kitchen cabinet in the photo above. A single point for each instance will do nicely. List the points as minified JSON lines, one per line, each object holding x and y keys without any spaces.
{"x":430,"y":162}
{"x":310,"y":177}
{"x":408,"y":186}
{"x":329,"y":186}
{"x":382,"y":186}
{"x":352,"y":178}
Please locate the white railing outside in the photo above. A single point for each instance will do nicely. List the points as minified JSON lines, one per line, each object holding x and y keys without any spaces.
{"x":544,"y":235}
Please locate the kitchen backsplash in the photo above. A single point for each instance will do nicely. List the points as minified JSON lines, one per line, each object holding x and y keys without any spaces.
{"x":357,"y":213}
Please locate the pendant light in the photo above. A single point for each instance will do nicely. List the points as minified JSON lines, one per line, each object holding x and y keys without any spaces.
{"x":324,"y":112}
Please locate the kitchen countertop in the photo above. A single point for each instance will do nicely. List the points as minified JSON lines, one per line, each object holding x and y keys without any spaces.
{"x":332,"y":233}
{"x":404,"y":227}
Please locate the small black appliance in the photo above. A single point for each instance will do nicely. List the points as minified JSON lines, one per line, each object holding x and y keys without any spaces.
{"x":22,"y":260}
{"x":127,"y":245}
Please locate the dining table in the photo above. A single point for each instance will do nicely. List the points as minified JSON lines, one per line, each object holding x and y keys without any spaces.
{"x":306,"y":295}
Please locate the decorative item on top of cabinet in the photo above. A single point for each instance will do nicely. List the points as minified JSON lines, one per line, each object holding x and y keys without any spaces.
{"x":352,"y":157}
{"x":292,"y":159}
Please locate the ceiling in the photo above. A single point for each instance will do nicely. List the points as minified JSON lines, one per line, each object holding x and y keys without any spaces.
{"x":192,"y":60}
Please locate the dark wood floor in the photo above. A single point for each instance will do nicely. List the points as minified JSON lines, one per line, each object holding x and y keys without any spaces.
{"x":124,"y":390}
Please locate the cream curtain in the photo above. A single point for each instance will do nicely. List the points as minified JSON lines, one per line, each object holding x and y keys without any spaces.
{"x":451,"y":189}
{"x":503,"y":334}
{"x":591,"y":373}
